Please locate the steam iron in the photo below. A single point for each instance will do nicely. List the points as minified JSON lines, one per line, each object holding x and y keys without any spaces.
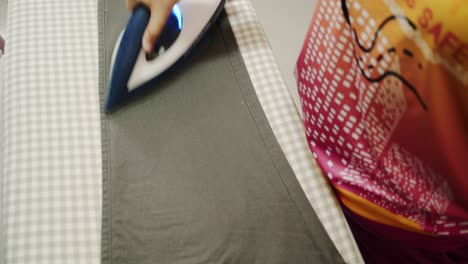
{"x":133,"y":70}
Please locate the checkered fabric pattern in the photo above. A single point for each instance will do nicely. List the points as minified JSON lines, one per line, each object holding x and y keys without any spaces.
{"x":287,"y":125}
{"x":2,"y":260}
{"x":2,"y":235}
{"x":52,"y":168}
{"x":3,"y":13}
{"x":53,"y":163}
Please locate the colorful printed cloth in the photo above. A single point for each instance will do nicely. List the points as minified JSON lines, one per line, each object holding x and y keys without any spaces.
{"x":384,"y":93}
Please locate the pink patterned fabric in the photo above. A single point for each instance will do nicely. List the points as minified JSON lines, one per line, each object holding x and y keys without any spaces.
{"x":352,"y":124}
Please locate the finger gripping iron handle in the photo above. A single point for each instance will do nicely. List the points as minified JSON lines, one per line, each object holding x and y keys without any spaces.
{"x":127,"y":55}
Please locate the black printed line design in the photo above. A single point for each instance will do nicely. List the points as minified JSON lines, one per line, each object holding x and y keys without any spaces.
{"x":379,"y":29}
{"x":408,"y":53}
{"x":380,"y":57}
{"x":394,"y":74}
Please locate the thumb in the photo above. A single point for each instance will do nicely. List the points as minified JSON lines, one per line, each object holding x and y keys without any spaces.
{"x":159,"y":15}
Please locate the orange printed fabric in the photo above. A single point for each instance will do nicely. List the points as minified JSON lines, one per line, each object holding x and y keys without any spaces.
{"x":384,"y":92}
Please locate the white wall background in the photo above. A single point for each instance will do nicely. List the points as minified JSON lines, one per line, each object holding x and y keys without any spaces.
{"x":285,"y":24}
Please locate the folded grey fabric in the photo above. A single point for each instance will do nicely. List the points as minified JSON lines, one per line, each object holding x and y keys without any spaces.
{"x":193,"y":172}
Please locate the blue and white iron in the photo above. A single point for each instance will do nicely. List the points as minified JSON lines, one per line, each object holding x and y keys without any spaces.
{"x":133,"y":71}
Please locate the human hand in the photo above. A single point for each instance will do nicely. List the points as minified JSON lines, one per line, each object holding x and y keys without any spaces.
{"x":160,"y":10}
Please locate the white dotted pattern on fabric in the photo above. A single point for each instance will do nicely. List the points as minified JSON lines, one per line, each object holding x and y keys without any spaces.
{"x":351,"y":121}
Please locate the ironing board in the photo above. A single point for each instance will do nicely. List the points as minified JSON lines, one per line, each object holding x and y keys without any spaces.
{"x":52,"y":174}
{"x":3,"y":13}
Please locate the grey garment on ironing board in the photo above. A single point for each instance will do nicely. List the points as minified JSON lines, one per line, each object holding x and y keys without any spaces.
{"x":193,"y":172}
